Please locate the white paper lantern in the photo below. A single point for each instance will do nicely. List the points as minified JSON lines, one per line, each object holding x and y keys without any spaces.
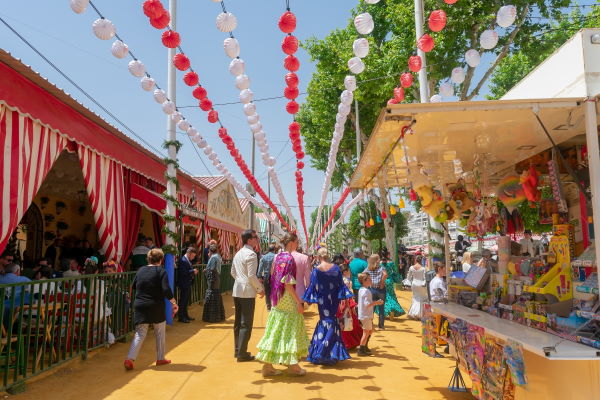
{"x":232,"y":47}
{"x":255,"y":128}
{"x":136,"y":68}
{"x":177,"y":117}
{"x":436,"y":98}
{"x":339,"y":119}
{"x":246,"y":96}
{"x":259,"y":136}
{"x":473,"y":58}
{"x":249,"y":109}
{"x":79,"y":6}
{"x":168,"y":107}
{"x":160,"y":96}
{"x":360,"y":47}
{"x":236,"y":67}
{"x":207,"y":150}
{"x":242,"y":82}
{"x":226,"y":22}
{"x":364,"y":23}
{"x":446,"y":89}
{"x":488,"y":39}
{"x":458,"y":75}
{"x":103,"y":29}
{"x":369,"y":1}
{"x":252,"y":119}
{"x":271,"y":162}
{"x":183,"y":125}
{"x":193,"y":132}
{"x":147,"y":83}
{"x":119,"y":49}
{"x":215,"y":161}
{"x":212,"y":156}
{"x":202,"y":144}
{"x":264,"y":148}
{"x":344,"y":109}
{"x":346,"y":97}
{"x":356,"y":65}
{"x":196,"y":138}
{"x":506,"y":16}
{"x":350,"y":83}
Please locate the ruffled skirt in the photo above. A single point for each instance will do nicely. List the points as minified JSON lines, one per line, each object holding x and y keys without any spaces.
{"x":419,"y":297}
{"x":327,"y":346}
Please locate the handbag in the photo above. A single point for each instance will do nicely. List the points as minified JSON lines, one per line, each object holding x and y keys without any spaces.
{"x":348,"y":323}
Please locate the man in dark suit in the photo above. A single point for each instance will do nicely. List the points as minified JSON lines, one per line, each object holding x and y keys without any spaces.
{"x":185,"y":277}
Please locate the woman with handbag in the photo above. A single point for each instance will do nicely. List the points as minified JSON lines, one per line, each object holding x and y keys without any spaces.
{"x":347,"y":315}
{"x":416,"y":280}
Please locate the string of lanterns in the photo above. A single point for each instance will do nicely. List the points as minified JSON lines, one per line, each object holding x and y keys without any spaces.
{"x":334,"y":209}
{"x":227,"y":22}
{"x":345,"y":211}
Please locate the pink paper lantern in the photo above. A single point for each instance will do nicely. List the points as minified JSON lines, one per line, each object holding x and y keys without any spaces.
{"x":437,"y":20}
{"x":426,"y":43}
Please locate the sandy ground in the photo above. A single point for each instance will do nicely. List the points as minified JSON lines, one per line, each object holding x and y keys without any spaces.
{"x":204,"y":367}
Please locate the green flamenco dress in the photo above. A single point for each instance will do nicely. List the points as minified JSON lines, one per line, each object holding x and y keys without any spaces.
{"x":392,"y":307}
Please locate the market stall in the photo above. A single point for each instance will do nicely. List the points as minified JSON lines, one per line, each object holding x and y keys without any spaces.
{"x":524,"y":323}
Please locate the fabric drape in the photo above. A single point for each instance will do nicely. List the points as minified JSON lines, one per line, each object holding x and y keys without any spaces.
{"x":133,"y":214}
{"x":157,"y":225}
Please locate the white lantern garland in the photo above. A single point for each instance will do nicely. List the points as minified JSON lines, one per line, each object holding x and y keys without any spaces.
{"x":458,"y":75}
{"x":79,"y":6}
{"x":360,"y":47}
{"x":137,"y":68}
{"x":103,"y":29}
{"x":364,"y":23}
{"x":473,"y":58}
{"x":506,"y":16}
{"x":160,"y":96}
{"x":232,"y":47}
{"x":226,"y":22}
{"x":356,"y":65}
{"x":147,"y":83}
{"x":488,"y":39}
{"x":119,"y":49}
{"x":436,"y":98}
{"x":446,"y":89}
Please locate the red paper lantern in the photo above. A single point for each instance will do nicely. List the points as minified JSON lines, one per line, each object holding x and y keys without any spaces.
{"x":228,"y":142}
{"x":213,"y":116}
{"x":291,"y":79}
{"x":294,"y":136}
{"x":161,"y":21}
{"x":426,"y":43}
{"x":450,"y":1}
{"x":383,"y":215}
{"x":171,"y":39}
{"x":292,"y":107}
{"x":296,"y":148}
{"x":291,"y":63}
{"x":399,"y":94}
{"x":392,"y":101}
{"x":415,"y":63}
{"x":234,"y":153}
{"x":289,"y":44}
{"x":287,"y":22}
{"x":181,"y":62}
{"x":294,"y":127}
{"x":199,"y":93}
{"x":153,"y":8}
{"x":437,"y":20}
{"x":230,"y":145}
{"x":222,"y":132}
{"x":406,"y":79}
{"x":290,"y":92}
{"x":205,"y":104}
{"x":299,"y":165}
{"x":300,"y":155}
{"x":191,"y":78}
{"x":298,"y":173}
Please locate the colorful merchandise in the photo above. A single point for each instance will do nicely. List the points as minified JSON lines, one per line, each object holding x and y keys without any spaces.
{"x":428,"y":332}
{"x":513,"y":352}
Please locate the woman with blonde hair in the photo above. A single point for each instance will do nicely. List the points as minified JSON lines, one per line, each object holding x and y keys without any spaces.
{"x":378,"y":276}
{"x":467,"y":261}
{"x":327,"y":289}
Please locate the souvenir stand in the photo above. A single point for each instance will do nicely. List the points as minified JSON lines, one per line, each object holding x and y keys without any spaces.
{"x":525,"y":325}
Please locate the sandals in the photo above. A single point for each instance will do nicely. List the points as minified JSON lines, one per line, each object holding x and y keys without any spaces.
{"x":300,"y":372}
{"x":269,"y":372}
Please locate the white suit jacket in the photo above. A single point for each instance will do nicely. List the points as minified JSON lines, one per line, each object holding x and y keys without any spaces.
{"x":243,"y":270}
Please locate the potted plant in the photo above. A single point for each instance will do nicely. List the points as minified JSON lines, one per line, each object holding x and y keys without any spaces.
{"x":60,"y":207}
{"x":48,"y":218}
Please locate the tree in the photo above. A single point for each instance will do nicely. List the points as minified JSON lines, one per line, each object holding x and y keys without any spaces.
{"x":376,"y":232}
{"x":392,"y":42}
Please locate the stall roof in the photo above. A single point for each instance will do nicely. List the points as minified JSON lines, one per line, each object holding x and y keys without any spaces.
{"x":440,"y":137}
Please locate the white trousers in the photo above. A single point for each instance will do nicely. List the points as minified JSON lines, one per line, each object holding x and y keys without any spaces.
{"x":141,"y":331}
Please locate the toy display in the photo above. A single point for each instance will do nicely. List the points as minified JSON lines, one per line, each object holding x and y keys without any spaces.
{"x":428,"y":332}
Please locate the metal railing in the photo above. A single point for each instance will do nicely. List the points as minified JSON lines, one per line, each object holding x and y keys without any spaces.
{"x":46,"y":323}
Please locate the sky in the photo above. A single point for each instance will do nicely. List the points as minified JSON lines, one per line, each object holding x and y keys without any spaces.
{"x":67,"y":40}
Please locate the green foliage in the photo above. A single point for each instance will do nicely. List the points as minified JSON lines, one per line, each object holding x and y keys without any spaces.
{"x":530,"y":213}
{"x":392,"y":42}
{"x":377,"y":231}
{"x":324,"y":217}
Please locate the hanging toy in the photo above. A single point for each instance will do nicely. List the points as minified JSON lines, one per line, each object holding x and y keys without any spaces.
{"x":392,"y":210}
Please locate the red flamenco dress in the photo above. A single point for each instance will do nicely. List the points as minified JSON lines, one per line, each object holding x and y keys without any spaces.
{"x":351,"y":338}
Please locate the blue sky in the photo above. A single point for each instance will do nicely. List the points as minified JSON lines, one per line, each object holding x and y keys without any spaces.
{"x":66,"y":38}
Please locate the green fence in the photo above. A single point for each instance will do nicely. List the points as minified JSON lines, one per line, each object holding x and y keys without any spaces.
{"x":46,"y":323}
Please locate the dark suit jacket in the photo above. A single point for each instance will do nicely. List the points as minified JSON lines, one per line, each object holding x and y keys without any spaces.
{"x":185,"y":274}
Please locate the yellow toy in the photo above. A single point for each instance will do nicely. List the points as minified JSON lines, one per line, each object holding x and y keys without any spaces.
{"x":556,"y":283}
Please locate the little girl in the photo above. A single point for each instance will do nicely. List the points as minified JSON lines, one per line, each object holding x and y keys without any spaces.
{"x":365,"y":312}
{"x":351,"y":338}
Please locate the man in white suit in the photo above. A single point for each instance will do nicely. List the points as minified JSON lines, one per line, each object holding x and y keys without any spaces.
{"x":246,"y":287}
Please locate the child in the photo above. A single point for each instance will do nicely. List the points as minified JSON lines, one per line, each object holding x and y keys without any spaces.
{"x":365,"y":312}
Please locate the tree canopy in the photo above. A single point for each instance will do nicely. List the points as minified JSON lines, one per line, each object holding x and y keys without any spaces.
{"x":325,"y":216}
{"x":377,"y":231}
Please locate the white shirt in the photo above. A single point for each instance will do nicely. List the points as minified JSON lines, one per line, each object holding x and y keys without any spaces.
{"x":529,"y":246}
{"x":437,"y":289}
{"x":364,"y":299}
{"x":243,"y":270}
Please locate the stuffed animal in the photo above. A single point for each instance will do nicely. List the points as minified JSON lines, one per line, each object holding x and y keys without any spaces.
{"x":529,"y":181}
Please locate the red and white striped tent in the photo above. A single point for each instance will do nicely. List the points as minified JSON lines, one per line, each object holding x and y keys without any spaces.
{"x":38,"y":122}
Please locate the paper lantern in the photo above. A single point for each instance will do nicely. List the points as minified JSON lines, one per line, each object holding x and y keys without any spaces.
{"x":255,"y":128}
{"x":446,"y":89}
{"x":191,"y":132}
{"x":350,"y":83}
{"x":205,"y":104}
{"x":436,"y":98}
{"x":346,"y":97}
{"x":488,"y":39}
{"x":160,"y":96}
{"x":213,"y":116}
{"x":292,"y":107}
{"x":356,"y":65}
{"x":162,"y":20}
{"x":119,"y":49}
{"x":249,"y":109}
{"x":364,"y":23}
{"x":202,"y":144}
{"x":437,"y":20}
{"x":176,"y":117}
{"x":168,"y":107}
{"x":191,"y":78}
{"x":259,"y":136}
{"x":287,"y":22}
{"x":294,"y":127}
{"x":103,"y":29}
{"x":226,"y":22}
{"x":152,"y":8}
{"x":289,"y":44}
{"x":199,"y":93}
{"x":399,"y":94}
{"x":147,"y":83}
{"x":171,"y":39}
{"x":343,"y":109}
{"x":231,"y":47}
{"x":506,"y":16}
{"x":246,"y":96}
{"x":291,"y":63}
{"x":79,"y":6}
{"x":371,"y":222}
{"x":383,"y":215}
{"x":371,"y":1}
{"x":450,"y":1}
{"x":183,"y":125}
{"x":181,"y":62}
{"x":242,"y":82}
{"x":415,"y":63}
{"x":406,"y":80}
{"x":290,"y":93}
{"x":291,"y":79}
{"x":297,"y":148}
{"x":294,"y":136}
{"x":252,"y":119}
{"x":392,"y":210}
{"x":473,"y":58}
{"x":222,"y":132}
{"x":458,"y":75}
{"x":426,"y":43}
{"x":392,"y":101}
{"x":237,"y":66}
{"x":401,"y":203}
{"x":208,"y":150}
{"x":136,"y":68}
{"x":300,"y":155}
{"x":360,"y":47}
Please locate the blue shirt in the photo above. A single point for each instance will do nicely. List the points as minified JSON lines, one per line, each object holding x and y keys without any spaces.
{"x":357,"y":266}
{"x":264,"y":267}
{"x":12,"y":278}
